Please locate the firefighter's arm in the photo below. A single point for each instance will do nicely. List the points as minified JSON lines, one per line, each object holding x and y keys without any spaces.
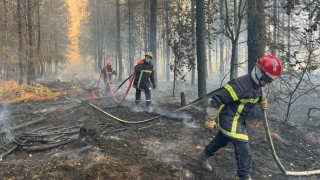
{"x":103,"y":71}
{"x":114,"y":72}
{"x":211,"y":117}
{"x":263,"y":100}
{"x":138,"y":67}
{"x":231,"y":92}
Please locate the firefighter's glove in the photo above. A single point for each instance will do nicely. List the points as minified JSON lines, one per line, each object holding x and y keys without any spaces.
{"x":210,"y":125}
{"x":264,"y":104}
{"x":212,"y":114}
{"x":154,"y":86}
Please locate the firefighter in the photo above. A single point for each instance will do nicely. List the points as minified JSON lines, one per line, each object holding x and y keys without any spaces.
{"x":144,"y":79}
{"x":111,"y":72}
{"x":230,"y":107}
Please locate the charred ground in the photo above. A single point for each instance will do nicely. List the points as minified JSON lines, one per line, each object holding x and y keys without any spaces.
{"x":162,"y":149}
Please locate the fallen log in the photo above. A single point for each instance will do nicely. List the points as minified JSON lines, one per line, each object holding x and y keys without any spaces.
{"x":47,"y":134}
{"x":49,"y":146}
{"x":21,"y":126}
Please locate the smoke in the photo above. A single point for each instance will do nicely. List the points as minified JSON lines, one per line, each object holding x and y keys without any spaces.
{"x":5,"y":122}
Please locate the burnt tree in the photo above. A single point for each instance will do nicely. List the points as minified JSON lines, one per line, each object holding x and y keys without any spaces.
{"x":153,"y":35}
{"x":256,"y":32}
{"x":201,"y":56}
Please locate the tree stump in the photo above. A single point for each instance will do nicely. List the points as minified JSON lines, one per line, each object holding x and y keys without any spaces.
{"x":183,"y":99}
{"x":89,"y":131}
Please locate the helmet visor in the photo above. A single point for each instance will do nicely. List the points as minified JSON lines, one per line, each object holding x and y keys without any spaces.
{"x":266,"y":78}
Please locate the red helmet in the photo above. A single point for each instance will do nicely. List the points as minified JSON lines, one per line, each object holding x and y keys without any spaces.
{"x":270,"y":65}
{"x":109,"y":64}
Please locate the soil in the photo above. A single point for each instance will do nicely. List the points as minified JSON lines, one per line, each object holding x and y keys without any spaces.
{"x":157,"y":150}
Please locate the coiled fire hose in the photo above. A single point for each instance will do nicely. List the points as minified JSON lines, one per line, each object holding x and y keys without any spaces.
{"x":273,"y":151}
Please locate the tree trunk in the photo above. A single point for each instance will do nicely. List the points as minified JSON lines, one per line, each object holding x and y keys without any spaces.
{"x":130,"y":44}
{"x":216,"y":55}
{"x":289,"y":42}
{"x":256,"y":32}
{"x":130,"y":38}
{"x":193,"y":70}
{"x":146,"y":25}
{"x":167,"y":43}
{"x":20,"y":43}
{"x":208,"y":41}
{"x":99,"y":39}
{"x":31,"y":69}
{"x":205,"y":43}
{"x":273,"y":49}
{"x":310,"y":32}
{"x":39,"y":40}
{"x":56,"y":60}
{"x":202,"y":89}
{"x":232,"y":63}
{"x":119,"y":42}
{"x":95,"y":45}
{"x":5,"y":37}
{"x":221,"y":39}
{"x":153,"y":36}
{"x":234,"y":45}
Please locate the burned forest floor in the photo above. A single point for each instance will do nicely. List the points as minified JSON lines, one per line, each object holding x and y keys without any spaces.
{"x":161,"y":149}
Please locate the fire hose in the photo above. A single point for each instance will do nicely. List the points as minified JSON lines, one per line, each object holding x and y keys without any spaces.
{"x":124,"y":82}
{"x":114,"y":97}
{"x":207,"y":96}
{"x":93,"y":93}
{"x":274,"y":154}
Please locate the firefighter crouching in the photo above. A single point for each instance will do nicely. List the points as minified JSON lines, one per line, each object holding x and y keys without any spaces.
{"x":144,"y":79}
{"x":111,"y":72}
{"x":230,"y":107}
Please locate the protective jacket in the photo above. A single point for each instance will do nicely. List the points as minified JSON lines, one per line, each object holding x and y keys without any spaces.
{"x":234,"y":103}
{"x":144,"y":77}
{"x":111,"y":72}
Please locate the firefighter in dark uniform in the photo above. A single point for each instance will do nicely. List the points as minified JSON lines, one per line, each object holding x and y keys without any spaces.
{"x":230,"y":107}
{"x":111,"y":72}
{"x":144,"y":79}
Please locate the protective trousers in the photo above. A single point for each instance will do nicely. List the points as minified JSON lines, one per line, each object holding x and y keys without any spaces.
{"x":108,"y":91}
{"x":242,"y":152}
{"x":148,"y":96}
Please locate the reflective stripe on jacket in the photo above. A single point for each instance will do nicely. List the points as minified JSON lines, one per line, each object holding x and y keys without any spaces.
{"x":234,"y":103}
{"x":144,"y":77}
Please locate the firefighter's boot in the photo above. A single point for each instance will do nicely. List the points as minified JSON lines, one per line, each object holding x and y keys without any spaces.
{"x":247,"y":177}
{"x":203,"y":160}
{"x":148,"y":105}
{"x":137,"y":107}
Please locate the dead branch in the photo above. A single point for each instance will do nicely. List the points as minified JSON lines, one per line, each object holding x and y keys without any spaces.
{"x":8,"y":152}
{"x":47,"y":134}
{"x":21,"y":126}
{"x":45,"y":147}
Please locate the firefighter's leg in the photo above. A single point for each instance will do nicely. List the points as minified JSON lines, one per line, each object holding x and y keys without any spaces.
{"x":218,"y":142}
{"x":148,"y":99}
{"x":138,"y":97}
{"x":244,"y":159}
{"x":108,"y":91}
